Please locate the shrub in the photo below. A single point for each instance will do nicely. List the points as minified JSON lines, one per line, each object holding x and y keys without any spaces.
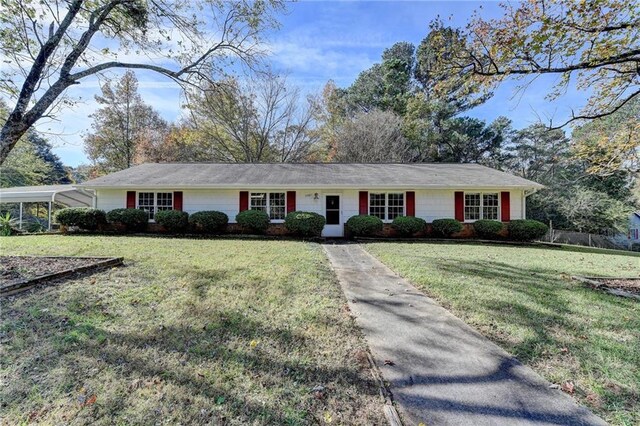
{"x":364,"y":225}
{"x":132,"y":219}
{"x":487,"y":228}
{"x":208,"y":221}
{"x":253,"y":220}
{"x":526,"y":230}
{"x":307,"y":224}
{"x":172,"y":220}
{"x":82,"y":217}
{"x":408,"y":225}
{"x":7,"y":225}
{"x":446,"y":227}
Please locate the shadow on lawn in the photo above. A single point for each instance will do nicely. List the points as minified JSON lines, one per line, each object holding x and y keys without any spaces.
{"x":192,"y":360}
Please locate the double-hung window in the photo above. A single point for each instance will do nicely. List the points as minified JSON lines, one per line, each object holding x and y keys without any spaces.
{"x":386,"y":206}
{"x":274,"y":203}
{"x":481,"y":205}
{"x":152,"y":202}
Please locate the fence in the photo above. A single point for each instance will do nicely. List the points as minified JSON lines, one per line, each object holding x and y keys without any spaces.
{"x":583,"y":239}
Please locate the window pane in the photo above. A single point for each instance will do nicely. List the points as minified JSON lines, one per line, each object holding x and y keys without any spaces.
{"x":490,"y":206}
{"x":276,"y":205}
{"x":258,"y":201}
{"x":145,"y":202}
{"x":396,"y":205}
{"x":471,"y":206}
{"x":377,"y":205}
{"x":164,"y":201}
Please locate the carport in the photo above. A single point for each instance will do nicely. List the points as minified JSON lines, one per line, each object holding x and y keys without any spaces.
{"x":67,"y":195}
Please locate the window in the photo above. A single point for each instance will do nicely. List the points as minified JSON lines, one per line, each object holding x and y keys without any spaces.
{"x":481,"y":206}
{"x":151,"y":202}
{"x":274,"y":203}
{"x":634,"y":233}
{"x":386,"y":206}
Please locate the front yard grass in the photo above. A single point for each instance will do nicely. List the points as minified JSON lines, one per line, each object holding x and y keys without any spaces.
{"x":523,"y":299}
{"x":188,"y":332}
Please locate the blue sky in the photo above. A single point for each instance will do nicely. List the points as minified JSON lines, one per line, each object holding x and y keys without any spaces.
{"x":322,"y":40}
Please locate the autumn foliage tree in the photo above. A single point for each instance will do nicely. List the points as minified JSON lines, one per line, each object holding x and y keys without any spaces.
{"x":122,"y":126}
{"x":592,"y":44}
{"x":51,"y":45}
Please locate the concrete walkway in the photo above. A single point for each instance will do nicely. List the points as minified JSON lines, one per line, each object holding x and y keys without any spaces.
{"x":441,"y":371}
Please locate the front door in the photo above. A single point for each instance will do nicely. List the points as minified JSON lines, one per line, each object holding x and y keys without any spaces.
{"x":333,"y":227}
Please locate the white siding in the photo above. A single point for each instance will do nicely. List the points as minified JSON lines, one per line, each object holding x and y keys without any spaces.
{"x":430,"y":204}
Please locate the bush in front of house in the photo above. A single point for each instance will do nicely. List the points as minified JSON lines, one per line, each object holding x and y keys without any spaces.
{"x":172,"y":220}
{"x":489,"y":229}
{"x":446,"y":227}
{"x":83,"y":217}
{"x":132,"y":219}
{"x":306,"y":224}
{"x":253,"y":220}
{"x":526,"y":230}
{"x":208,"y":221}
{"x":408,"y":225}
{"x":364,"y":225}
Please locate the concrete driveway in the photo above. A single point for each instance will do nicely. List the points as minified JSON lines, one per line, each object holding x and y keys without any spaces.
{"x":441,"y":371}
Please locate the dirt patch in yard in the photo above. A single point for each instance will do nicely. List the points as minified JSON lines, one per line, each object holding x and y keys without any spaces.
{"x":20,"y":268}
{"x":625,"y":287}
{"x":629,"y":285}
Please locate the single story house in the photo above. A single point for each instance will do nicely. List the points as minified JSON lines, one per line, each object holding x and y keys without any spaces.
{"x":466,"y":192}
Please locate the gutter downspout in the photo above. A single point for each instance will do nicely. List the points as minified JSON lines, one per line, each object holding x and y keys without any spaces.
{"x":525,"y":194}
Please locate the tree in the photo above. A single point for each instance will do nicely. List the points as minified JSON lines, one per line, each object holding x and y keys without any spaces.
{"x":24,"y":167}
{"x":592,"y":43}
{"x":385,"y":86}
{"x":54,"y":44}
{"x":43,"y":149}
{"x":454,"y":94}
{"x":259,"y":121}
{"x":120,"y":125}
{"x":610,"y":145}
{"x":538,"y":153}
{"x":373,"y":137}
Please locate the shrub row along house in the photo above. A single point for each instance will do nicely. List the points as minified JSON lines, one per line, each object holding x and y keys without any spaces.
{"x":465,"y":192}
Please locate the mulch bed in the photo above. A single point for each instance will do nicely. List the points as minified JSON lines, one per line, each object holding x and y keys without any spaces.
{"x":18,"y":273}
{"x":625,"y":287}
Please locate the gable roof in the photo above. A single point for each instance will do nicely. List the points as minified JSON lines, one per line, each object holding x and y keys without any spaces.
{"x":315,"y":175}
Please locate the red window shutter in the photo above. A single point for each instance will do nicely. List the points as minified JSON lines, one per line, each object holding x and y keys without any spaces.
{"x":131,"y":199}
{"x":364,"y":202}
{"x":505,"y":206}
{"x":291,"y":201}
{"x":244,"y":200}
{"x":411,"y":203}
{"x":459,"y":198}
{"x":177,"y":200}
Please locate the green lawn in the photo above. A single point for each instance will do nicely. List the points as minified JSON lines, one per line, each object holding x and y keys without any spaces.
{"x":522,"y":298}
{"x":190,"y":332}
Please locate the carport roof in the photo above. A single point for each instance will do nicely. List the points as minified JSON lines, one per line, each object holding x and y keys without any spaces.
{"x":68,"y":195}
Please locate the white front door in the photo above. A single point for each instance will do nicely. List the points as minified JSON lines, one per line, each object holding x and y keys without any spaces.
{"x":333,"y":215}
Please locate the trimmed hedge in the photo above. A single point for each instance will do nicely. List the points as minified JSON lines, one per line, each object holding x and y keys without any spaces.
{"x":526,"y":230}
{"x":446,"y":227}
{"x":208,"y":221}
{"x":254,"y":220}
{"x":364,"y":225}
{"x":132,"y":219}
{"x":306,"y":224}
{"x":82,"y":217}
{"x":408,"y":225}
{"x":172,"y":220}
{"x":489,"y":229}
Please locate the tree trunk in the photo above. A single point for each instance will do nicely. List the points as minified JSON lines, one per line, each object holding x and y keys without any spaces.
{"x":11,"y":133}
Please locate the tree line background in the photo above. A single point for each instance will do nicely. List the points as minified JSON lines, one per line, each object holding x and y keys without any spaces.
{"x":411,"y":106}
